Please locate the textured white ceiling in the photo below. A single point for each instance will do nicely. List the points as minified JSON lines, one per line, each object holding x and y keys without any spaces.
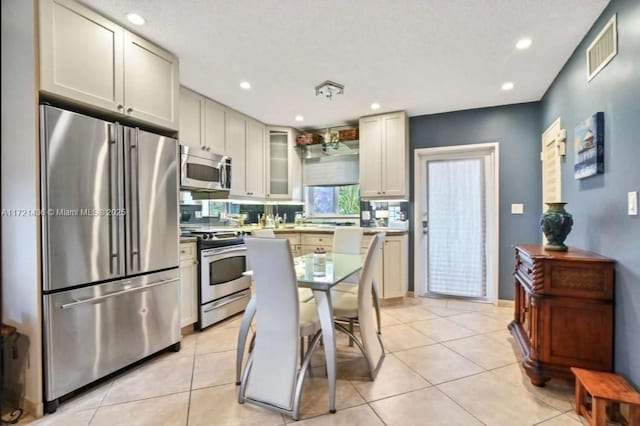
{"x":422,"y":56}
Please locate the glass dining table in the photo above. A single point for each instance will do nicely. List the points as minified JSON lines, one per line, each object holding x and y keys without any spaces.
{"x":320,"y":279}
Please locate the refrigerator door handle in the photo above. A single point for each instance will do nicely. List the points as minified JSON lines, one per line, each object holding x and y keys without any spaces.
{"x":114,"y":225}
{"x":134,"y":190}
{"x":115,"y":293}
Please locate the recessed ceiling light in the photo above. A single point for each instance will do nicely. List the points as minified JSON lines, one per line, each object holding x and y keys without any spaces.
{"x":135,"y":19}
{"x":524,"y":43}
{"x":299,"y":118}
{"x":375,"y":106}
{"x":245,"y":85}
{"x":508,"y":85}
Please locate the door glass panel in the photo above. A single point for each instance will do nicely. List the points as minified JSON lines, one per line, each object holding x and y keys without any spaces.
{"x":457,"y":263}
{"x":278,"y":163}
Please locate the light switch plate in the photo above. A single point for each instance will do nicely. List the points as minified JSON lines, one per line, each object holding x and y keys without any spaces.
{"x":632,"y":203}
{"x":517,"y":208}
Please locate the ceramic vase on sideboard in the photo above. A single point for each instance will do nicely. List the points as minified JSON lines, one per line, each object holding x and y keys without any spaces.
{"x":556,"y":224}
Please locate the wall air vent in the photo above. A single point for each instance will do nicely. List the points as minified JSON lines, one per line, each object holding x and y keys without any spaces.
{"x":602,"y":50}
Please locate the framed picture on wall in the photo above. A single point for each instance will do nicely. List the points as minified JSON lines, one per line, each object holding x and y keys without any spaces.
{"x":589,"y":147}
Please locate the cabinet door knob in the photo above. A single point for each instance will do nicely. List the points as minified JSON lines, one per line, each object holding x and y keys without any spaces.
{"x":129,"y":110}
{"x":120,"y":107}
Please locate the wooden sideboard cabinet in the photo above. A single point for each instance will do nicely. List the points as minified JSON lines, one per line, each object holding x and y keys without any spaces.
{"x":563,"y":311}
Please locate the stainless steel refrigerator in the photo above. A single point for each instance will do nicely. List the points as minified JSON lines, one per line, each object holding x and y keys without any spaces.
{"x":110,"y":239}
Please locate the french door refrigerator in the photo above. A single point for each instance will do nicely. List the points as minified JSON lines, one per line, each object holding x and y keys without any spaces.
{"x":109,"y":248}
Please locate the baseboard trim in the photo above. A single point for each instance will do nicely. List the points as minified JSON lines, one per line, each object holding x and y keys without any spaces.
{"x":36,"y":409}
{"x":503,"y":303}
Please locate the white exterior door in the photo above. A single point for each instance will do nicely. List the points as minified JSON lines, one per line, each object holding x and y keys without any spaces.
{"x":456,"y":221}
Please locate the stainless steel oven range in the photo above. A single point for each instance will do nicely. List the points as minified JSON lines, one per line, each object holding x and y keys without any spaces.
{"x":223,"y":291}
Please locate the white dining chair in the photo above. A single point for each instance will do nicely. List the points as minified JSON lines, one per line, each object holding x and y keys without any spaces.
{"x":351,"y":307}
{"x":271,"y":378}
{"x":304,"y":295}
{"x":349,"y":241}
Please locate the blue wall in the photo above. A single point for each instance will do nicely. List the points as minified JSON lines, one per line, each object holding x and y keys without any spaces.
{"x":598,"y":203}
{"x":517,"y":129}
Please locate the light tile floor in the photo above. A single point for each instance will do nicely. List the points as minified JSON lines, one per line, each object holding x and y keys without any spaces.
{"x":448,"y":362}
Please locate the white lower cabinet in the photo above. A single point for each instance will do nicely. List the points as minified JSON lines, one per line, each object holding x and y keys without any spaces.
{"x":395,"y":266}
{"x":188,"y":284}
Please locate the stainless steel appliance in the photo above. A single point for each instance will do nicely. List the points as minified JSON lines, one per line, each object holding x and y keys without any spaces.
{"x":204,"y":171}
{"x":223,"y":289}
{"x":110,"y":248}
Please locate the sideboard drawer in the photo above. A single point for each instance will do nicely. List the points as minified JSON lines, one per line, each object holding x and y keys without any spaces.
{"x":589,"y":280}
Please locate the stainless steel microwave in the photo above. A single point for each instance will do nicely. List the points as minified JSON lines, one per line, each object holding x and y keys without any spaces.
{"x":204,"y":171}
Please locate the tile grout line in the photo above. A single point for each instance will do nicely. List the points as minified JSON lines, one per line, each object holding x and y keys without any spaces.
{"x":93,"y":416}
{"x":193,"y":369}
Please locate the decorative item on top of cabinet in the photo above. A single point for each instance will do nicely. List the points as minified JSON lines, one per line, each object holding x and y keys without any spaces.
{"x":89,"y":60}
{"x":563,"y":311}
{"x":556,"y":224}
{"x":384,"y":156}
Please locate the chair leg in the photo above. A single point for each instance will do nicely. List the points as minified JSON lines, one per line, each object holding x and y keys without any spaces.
{"x":301,"y":350}
{"x":245,"y":376}
{"x":376,"y":306}
{"x":350,"y":331}
{"x":245,"y":326}
{"x":302,"y":374}
{"x":342,"y":328}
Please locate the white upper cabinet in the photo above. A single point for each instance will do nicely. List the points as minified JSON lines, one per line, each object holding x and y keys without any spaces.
{"x":255,"y":159}
{"x":370,"y":157}
{"x":215,"y":127}
{"x":191,"y":128}
{"x":202,"y":123}
{"x":384,"y":156}
{"x":88,"y":59}
{"x":246,"y":147}
{"x":236,"y":149}
{"x":81,"y":55}
{"x":151,"y":82}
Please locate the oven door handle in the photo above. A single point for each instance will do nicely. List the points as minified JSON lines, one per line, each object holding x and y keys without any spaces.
{"x":223,"y":254}
{"x":221,"y":303}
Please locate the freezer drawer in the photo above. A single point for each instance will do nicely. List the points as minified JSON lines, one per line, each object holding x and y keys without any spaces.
{"x":94,"y":331}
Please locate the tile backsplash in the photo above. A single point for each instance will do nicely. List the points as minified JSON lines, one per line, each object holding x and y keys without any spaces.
{"x":388,"y":213}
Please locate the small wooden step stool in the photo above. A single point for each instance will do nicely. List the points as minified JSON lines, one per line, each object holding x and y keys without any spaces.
{"x":605,"y":389}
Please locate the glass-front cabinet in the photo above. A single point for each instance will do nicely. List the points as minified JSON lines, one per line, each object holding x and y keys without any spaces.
{"x":283,"y":165}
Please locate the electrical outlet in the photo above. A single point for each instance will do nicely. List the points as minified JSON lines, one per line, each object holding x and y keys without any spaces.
{"x":632,"y":203}
{"x":517,"y":208}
